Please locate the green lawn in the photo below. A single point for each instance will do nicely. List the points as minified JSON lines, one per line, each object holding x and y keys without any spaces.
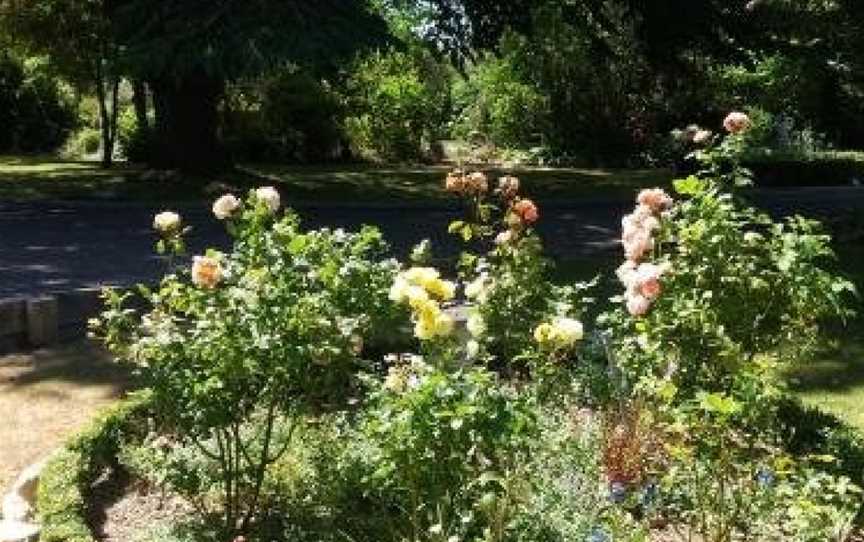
{"x":28,"y":178}
{"x":834,"y":380}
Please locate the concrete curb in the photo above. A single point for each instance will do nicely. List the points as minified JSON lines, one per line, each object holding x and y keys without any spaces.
{"x":36,"y":322}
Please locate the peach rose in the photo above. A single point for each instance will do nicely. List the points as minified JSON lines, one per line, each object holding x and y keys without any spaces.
{"x":206,"y":272}
{"x":508,"y":186}
{"x":527,"y":211}
{"x":478,"y":183}
{"x":455,"y":182}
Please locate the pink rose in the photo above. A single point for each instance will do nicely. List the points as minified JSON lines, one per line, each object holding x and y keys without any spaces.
{"x":637,"y":245}
{"x":647,"y":280}
{"x":626,"y":273}
{"x":736,"y":122}
{"x":638,"y":305}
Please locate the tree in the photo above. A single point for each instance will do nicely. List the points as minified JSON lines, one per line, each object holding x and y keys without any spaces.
{"x":188,"y":49}
{"x":77,"y":36}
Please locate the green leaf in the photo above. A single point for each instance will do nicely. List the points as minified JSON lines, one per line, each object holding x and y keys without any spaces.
{"x":455,"y":226}
{"x":690,"y":186}
{"x":718,"y":403}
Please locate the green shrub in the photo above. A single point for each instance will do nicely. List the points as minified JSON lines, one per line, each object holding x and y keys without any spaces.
{"x":499,"y":104}
{"x":445,"y":440}
{"x":285,"y":116}
{"x":134,"y":141}
{"x":82,"y":143}
{"x":62,"y":501}
{"x":36,"y":116}
{"x":398,"y":102}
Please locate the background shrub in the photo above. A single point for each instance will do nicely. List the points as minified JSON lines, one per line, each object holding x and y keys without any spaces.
{"x":399,"y":102}
{"x":286,"y":116}
{"x":35,"y":117}
{"x":496,"y":103}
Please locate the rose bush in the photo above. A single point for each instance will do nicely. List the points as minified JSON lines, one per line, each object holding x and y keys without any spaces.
{"x":274,"y":329}
{"x":533,"y":423}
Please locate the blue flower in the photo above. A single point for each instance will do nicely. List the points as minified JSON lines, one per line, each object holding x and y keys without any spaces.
{"x":649,"y":494}
{"x":617,"y":492}
{"x":598,"y":535}
{"x":765,"y":478}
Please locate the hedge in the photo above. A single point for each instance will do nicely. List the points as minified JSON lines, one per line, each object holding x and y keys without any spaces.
{"x":71,"y":472}
{"x":816,"y":169}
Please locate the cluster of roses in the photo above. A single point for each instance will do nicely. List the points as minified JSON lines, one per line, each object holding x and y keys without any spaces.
{"x":423,"y":290}
{"x":207,"y":271}
{"x":470,"y":184}
{"x":735,"y":123}
{"x":693,"y":134}
{"x":520,"y":212}
{"x":642,"y":279}
{"x":559,"y":334}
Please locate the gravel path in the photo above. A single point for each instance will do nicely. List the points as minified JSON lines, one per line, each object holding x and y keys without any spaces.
{"x":52,"y":246}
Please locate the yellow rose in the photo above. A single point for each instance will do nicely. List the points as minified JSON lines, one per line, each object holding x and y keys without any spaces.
{"x":421,"y":276}
{"x":442,"y":289}
{"x":417,"y":296}
{"x":424,"y":328}
{"x":543,"y":333}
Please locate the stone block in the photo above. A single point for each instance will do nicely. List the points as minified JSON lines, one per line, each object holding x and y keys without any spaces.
{"x":42,"y":321}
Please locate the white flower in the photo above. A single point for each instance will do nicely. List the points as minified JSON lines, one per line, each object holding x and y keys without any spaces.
{"x":225,"y":206}
{"x":569,"y":331}
{"x":472,"y":348}
{"x":269,"y":196}
{"x":474,"y":288}
{"x":475,"y":324}
{"x":166,"y":222}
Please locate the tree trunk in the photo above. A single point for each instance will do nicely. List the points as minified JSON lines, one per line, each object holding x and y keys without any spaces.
{"x":104,"y":117}
{"x":187,"y":121}
{"x":139,"y":102}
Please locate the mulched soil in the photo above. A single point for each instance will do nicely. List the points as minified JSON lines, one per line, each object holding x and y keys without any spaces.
{"x":123,"y":509}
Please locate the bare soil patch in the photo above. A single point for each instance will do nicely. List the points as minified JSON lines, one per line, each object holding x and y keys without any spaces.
{"x":47,"y":395}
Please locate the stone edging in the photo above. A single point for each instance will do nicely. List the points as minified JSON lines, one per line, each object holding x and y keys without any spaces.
{"x":19,"y":505}
{"x":34,"y":322}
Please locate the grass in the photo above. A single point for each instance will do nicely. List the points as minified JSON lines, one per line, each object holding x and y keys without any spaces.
{"x":834,"y":380}
{"x":45,"y":396}
{"x":40,"y":177}
{"x":423,"y":183}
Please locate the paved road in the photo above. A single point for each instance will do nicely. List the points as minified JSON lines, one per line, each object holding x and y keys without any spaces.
{"x":47,"y":247}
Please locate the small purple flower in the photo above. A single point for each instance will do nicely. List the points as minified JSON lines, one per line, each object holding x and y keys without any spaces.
{"x":617,"y":492}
